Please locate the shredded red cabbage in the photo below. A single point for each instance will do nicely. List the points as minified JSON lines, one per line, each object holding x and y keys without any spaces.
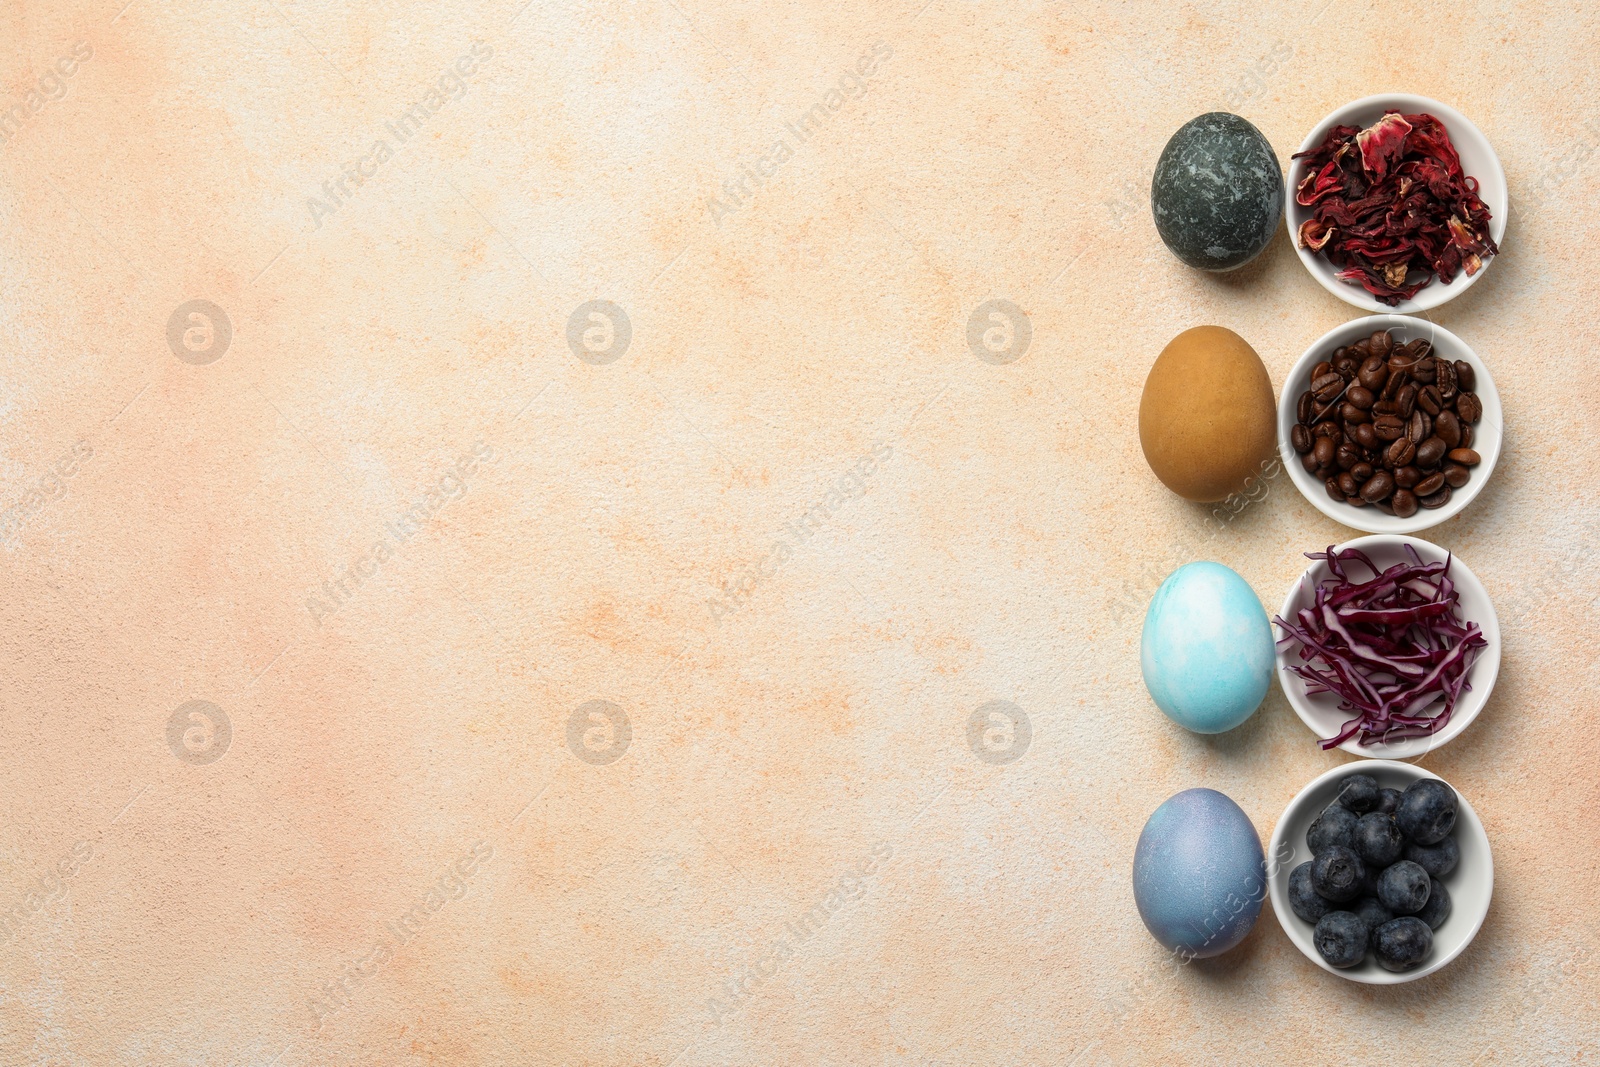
{"x":1390,"y":647}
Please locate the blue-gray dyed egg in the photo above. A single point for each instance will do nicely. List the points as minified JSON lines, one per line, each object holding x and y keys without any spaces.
{"x":1217,"y":193}
{"x":1199,"y":874}
{"x":1206,"y":651}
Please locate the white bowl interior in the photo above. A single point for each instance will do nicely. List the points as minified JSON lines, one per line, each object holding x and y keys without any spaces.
{"x":1488,"y":433}
{"x":1471,"y":884}
{"x":1478,"y":160}
{"x":1321,"y":712}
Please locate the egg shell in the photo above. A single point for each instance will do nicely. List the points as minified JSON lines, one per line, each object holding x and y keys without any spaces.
{"x":1207,"y":419}
{"x":1206,"y":650}
{"x":1217,"y":192}
{"x":1199,"y":873}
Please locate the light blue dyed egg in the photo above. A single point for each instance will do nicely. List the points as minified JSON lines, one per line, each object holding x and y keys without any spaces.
{"x":1207,"y":648}
{"x":1199,"y":874}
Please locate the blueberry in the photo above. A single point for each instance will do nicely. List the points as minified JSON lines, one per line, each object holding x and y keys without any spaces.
{"x":1338,"y":875}
{"x":1302,"y":898}
{"x":1333,"y":827}
{"x":1359,"y":793}
{"x":1378,"y":840}
{"x":1341,"y":938}
{"x":1403,"y":943}
{"x":1438,"y":860}
{"x":1427,"y":811}
{"x":1388,"y":800}
{"x":1437,"y":909}
{"x":1374,"y":914}
{"x":1404,"y":888}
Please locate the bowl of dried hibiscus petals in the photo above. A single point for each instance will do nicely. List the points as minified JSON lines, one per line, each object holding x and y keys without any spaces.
{"x":1396,"y":203}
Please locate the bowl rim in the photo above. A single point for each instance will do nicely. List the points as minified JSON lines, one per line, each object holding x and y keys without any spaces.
{"x":1488,"y":436}
{"x":1466,"y":713}
{"x":1278,"y":875}
{"x":1492,"y":187}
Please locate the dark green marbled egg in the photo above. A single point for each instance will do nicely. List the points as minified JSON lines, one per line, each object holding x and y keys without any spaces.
{"x":1218,"y":193}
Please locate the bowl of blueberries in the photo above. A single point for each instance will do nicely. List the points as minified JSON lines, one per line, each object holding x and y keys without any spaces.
{"x":1385,"y":874}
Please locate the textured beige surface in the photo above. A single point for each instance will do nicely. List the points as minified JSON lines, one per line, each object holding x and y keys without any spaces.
{"x":796,"y":534}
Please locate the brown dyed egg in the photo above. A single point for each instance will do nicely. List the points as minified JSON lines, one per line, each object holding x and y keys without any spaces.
{"x":1207,"y":419}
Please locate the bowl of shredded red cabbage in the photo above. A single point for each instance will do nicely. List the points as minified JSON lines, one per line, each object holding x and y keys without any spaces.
{"x":1388,"y":646}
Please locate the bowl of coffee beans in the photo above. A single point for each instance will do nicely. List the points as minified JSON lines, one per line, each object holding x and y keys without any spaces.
{"x":1381,"y":872}
{"x":1389,"y":424}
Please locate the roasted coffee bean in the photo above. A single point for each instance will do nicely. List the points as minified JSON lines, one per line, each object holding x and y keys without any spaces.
{"x":1446,"y":381}
{"x":1324,"y":368}
{"x":1430,"y":484}
{"x":1300,"y":437}
{"x":1455,"y":475}
{"x":1327,"y":387}
{"x":1309,"y":462}
{"x":1466,"y":436}
{"x":1468,"y":406}
{"x":1347,"y":456}
{"x":1332,"y":486}
{"x":1393,"y":384}
{"x":1380,"y":343}
{"x":1346,"y":368}
{"x":1419,"y":427}
{"x":1385,"y":407}
{"x":1361,"y":397}
{"x":1374,"y":372}
{"x":1466,"y":377}
{"x":1430,"y":452}
{"x":1405,"y":401}
{"x":1448,"y":428}
{"x":1399,"y":453}
{"x":1464,"y":456}
{"x":1407,"y":477}
{"x":1388,"y":427}
{"x":1361,"y":471}
{"x":1365,"y":435}
{"x":1436,"y":500}
{"x":1323,"y":451}
{"x":1351,"y":414}
{"x":1425,"y":370}
{"x":1348,"y":484}
{"x":1384,"y":506}
{"x":1404,"y":503}
{"x":1326,"y":428}
{"x":1428,"y":400}
{"x":1378,"y":487}
{"x":1355,"y":501}
{"x":1420,"y":348}
{"x":1302,"y":408}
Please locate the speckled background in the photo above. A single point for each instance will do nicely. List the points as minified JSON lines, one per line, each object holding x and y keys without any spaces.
{"x":414,"y":511}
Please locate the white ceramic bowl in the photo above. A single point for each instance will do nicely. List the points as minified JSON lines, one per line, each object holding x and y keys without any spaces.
{"x":1487,"y":433}
{"x":1321,"y":712}
{"x":1477,"y":160}
{"x":1471,"y":884}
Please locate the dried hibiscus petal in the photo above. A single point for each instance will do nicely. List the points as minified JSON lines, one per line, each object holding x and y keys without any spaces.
{"x":1382,"y":143}
{"x":1314,"y":233}
{"x":1391,"y":207}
